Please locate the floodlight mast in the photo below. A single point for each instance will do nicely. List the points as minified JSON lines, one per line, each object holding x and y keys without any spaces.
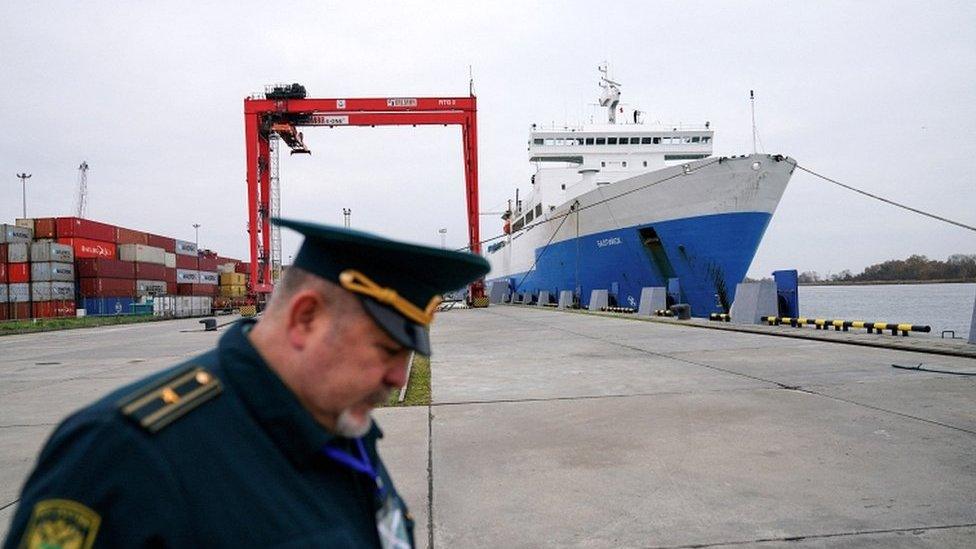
{"x":284,"y":108}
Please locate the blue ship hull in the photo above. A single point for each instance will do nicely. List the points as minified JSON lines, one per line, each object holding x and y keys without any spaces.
{"x":708,"y":255}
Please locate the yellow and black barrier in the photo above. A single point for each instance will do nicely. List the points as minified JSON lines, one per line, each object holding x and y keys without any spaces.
{"x":721,"y":317}
{"x":663,"y":312}
{"x":846,"y":325}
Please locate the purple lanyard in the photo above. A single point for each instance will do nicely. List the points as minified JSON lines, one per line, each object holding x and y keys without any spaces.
{"x":362,"y":464}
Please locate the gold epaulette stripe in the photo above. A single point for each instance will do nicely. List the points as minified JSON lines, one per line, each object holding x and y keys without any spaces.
{"x":170,"y":398}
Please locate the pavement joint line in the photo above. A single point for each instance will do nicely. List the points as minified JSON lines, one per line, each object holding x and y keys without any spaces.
{"x":14,"y":426}
{"x":756,"y":378}
{"x":598,"y":397}
{"x":14,"y":502}
{"x":918,"y":529}
{"x":430,"y":477}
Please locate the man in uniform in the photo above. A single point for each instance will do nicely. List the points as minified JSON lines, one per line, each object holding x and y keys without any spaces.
{"x":267,"y":440}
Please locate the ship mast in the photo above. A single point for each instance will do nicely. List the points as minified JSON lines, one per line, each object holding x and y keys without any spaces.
{"x":611,"y":94}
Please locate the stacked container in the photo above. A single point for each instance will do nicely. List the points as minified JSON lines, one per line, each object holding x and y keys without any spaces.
{"x":15,"y":247}
{"x":52,"y":279}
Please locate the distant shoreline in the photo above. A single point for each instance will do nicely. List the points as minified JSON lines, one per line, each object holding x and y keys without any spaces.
{"x":888,"y":282}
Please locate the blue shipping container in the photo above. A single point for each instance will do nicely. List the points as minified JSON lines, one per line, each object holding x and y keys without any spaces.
{"x":100,"y":306}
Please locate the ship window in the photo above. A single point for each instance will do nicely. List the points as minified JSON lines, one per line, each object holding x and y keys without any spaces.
{"x":625,"y":163}
{"x":538,"y":210}
{"x":686,"y":140}
{"x":706,"y":139}
{"x":564,"y":186}
{"x":635,"y":140}
{"x":518,"y":224}
{"x":695,"y":139}
{"x":579,"y":140}
{"x":601,"y":141}
{"x":657,"y":140}
{"x":645,"y":140}
{"x":603,"y":164}
{"x":623,"y":141}
{"x":589,"y":140}
{"x":529,"y":217}
{"x":550,"y":141}
{"x":611,"y":141}
{"x":538,"y":141}
{"x":645,"y":163}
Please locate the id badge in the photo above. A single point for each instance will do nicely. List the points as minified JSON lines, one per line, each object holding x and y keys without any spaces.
{"x":391,"y":525}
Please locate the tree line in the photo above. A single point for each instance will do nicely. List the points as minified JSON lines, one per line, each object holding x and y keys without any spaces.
{"x":916,"y":267}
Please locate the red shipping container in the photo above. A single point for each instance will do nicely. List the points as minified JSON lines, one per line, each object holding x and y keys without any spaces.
{"x":164,"y":242}
{"x":3,"y":272}
{"x":186,"y":262}
{"x":128,"y":236}
{"x":104,"y":268}
{"x":208,"y":264}
{"x":53,"y":309}
{"x":4,"y":311}
{"x":74,"y":227}
{"x":84,"y":247}
{"x":170,"y":277}
{"x":106,"y":287}
{"x":45,"y":227}
{"x":207,"y":290}
{"x":243,"y":267}
{"x":18,"y":311}
{"x":150,"y":271}
{"x":18,"y":273}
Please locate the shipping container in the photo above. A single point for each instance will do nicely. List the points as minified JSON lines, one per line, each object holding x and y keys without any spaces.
{"x":233,"y":291}
{"x":145,"y":254}
{"x":18,"y":273}
{"x":3,"y":272}
{"x":150,"y":287}
{"x":87,"y":248}
{"x":28,"y":223}
{"x":4,"y":311}
{"x":170,"y":278}
{"x":227,"y":267}
{"x":232,"y":279}
{"x":53,"y":309}
{"x":52,"y":291}
{"x":18,"y":252}
{"x":186,"y":262}
{"x":208,"y":277}
{"x":101,"y":306}
{"x":13,"y":233}
{"x":186,"y":248}
{"x":48,"y":271}
{"x":106,"y":287}
{"x":74,"y":227}
{"x":208,"y":264}
{"x":187,"y":276}
{"x":51,"y":251}
{"x":166,"y":243}
{"x":3,"y":294}
{"x":45,"y":227}
{"x":19,"y":311}
{"x":129,"y":236}
{"x":182,"y":306}
{"x":150,"y":271}
{"x":18,"y":293}
{"x":105,"y":268}
{"x":169,"y":260}
{"x":208,"y":290}
{"x":243,"y":267}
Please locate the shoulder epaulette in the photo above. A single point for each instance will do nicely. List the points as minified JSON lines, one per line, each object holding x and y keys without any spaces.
{"x":170,"y":398}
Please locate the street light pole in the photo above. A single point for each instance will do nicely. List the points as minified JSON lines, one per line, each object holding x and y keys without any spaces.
{"x":23,"y":181}
{"x":196,"y":242}
{"x":443,"y":232}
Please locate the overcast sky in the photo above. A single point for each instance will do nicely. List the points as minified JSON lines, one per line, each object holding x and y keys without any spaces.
{"x":880,"y":95}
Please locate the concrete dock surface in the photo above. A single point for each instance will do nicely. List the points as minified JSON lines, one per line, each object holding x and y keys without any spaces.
{"x":554,"y":429}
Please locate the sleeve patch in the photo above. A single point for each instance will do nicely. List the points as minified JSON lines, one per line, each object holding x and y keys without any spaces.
{"x":157,"y":406}
{"x":61,"y":524}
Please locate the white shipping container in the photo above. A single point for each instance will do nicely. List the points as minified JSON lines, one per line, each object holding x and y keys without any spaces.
{"x":51,"y":271}
{"x":28,"y":223}
{"x":186,"y":248}
{"x":169,"y":260}
{"x":51,"y":251}
{"x":186,"y":276}
{"x":18,"y":252}
{"x":3,"y":293}
{"x":150,"y":287}
{"x":18,"y":293}
{"x":209,"y":277}
{"x":226,"y":267}
{"x":142,"y":253}
{"x":13,"y":233}
{"x":52,"y":291}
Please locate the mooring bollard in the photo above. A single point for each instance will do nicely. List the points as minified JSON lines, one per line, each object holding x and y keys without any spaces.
{"x":209,"y":324}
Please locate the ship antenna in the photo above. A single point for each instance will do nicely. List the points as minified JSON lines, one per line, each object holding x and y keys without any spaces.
{"x":752,"y":100}
{"x":611,"y":94}
{"x":470,"y":81}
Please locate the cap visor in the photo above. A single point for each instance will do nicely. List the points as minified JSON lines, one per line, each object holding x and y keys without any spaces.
{"x":403,"y":331}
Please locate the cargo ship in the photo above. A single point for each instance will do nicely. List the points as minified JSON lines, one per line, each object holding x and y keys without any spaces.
{"x":623,"y":205}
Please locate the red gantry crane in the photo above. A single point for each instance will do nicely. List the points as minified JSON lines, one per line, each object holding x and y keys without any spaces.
{"x":284,"y":109}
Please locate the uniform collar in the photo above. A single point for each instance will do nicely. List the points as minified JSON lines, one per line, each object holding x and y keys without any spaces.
{"x":272,"y":404}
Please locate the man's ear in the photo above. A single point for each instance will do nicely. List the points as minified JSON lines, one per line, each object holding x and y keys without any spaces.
{"x":304,"y":312}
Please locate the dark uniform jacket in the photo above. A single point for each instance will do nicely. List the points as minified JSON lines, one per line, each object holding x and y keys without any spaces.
{"x":240,"y":464}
